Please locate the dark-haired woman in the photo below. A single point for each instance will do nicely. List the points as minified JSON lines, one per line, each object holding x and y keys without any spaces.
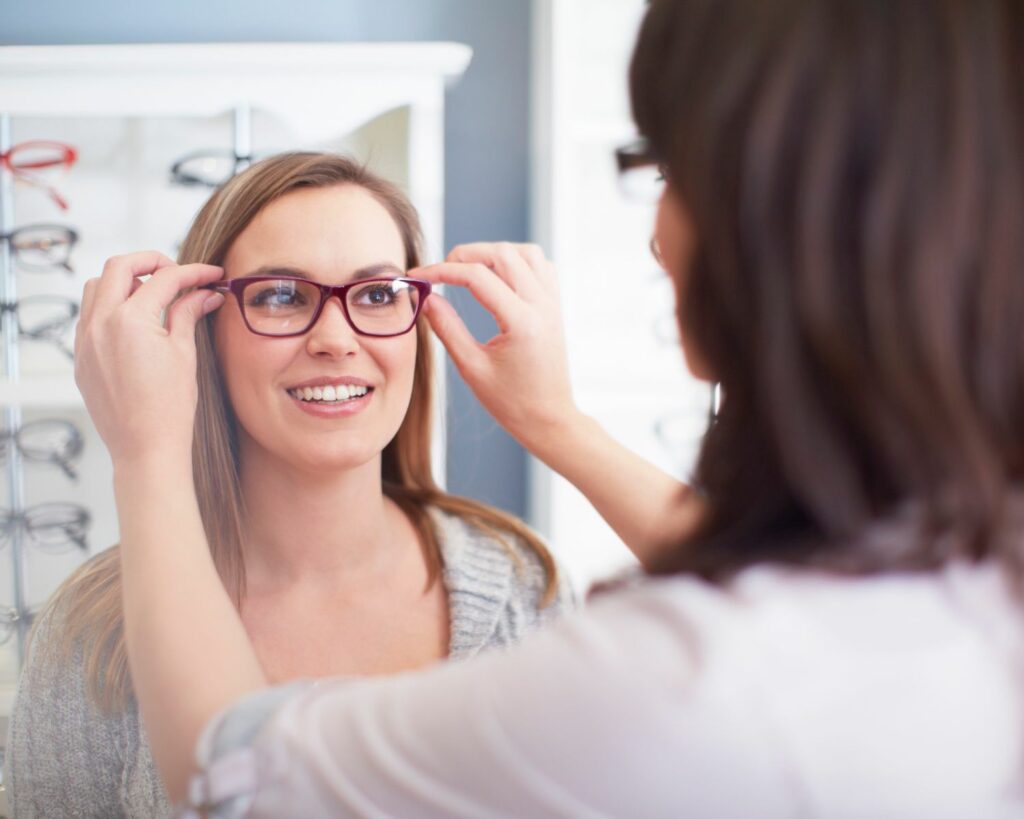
{"x":837,"y":628}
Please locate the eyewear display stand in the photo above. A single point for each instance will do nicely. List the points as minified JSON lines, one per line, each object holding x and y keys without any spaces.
{"x":12,"y":373}
{"x":117,"y":104}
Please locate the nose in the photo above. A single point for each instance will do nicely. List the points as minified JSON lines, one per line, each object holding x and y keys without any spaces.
{"x":332,"y":334}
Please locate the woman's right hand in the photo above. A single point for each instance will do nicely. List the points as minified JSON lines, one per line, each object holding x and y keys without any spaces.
{"x":136,"y":372}
{"x":521,"y":375}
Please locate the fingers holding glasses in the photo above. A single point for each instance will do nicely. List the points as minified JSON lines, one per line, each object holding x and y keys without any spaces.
{"x":159,"y":291}
{"x":500,"y":300}
{"x":520,"y":375}
{"x":512,"y":263}
{"x":119,"y":273}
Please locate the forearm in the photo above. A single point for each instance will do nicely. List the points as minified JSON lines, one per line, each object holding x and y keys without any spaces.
{"x":180,"y":624}
{"x":647,"y":508}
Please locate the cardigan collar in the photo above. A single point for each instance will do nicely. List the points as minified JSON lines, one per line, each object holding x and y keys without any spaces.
{"x":477,"y":574}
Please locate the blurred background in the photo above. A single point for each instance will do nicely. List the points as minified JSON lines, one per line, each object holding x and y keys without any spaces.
{"x":498,"y":117}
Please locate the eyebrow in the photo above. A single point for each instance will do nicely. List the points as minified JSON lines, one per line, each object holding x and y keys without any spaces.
{"x":372,"y":271}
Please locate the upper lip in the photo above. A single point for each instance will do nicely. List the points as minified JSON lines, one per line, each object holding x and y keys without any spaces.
{"x":324,"y":381}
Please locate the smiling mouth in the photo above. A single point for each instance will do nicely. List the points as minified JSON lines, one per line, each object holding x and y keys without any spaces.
{"x":329,"y":395}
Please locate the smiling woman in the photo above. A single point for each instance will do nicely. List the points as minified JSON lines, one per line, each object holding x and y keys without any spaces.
{"x":311,"y":462}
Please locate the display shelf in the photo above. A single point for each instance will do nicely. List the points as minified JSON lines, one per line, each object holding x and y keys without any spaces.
{"x":627,"y":372}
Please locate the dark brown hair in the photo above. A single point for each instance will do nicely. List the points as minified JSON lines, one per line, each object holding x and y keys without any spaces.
{"x":852,"y":170}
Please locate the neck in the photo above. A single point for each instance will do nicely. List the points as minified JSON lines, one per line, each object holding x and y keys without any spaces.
{"x":316,"y":527}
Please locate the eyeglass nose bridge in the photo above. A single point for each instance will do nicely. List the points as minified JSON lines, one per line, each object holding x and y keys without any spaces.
{"x":327,"y":293}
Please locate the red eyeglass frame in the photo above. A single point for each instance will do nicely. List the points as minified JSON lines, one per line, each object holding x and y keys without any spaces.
{"x":25,"y":172}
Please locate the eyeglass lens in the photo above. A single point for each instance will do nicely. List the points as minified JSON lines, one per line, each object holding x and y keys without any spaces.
{"x":47,"y":441}
{"x":641,"y":178}
{"x":43,"y":247}
{"x":286,"y":306}
{"x":208,"y":169}
{"x":45,"y":318}
{"x":39,"y":155}
{"x":53,"y":528}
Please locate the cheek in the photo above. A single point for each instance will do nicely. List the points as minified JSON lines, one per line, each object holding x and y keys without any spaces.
{"x":245,"y":362}
{"x":673,"y":233}
{"x":399,"y":363}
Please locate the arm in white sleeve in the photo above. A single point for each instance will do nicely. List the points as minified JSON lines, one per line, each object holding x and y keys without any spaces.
{"x":604,"y":714}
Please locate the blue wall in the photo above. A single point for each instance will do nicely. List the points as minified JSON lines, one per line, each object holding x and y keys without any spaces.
{"x":487,"y":135}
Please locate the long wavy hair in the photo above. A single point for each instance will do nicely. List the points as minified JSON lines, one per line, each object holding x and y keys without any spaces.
{"x":853,"y":173}
{"x":90,"y":599}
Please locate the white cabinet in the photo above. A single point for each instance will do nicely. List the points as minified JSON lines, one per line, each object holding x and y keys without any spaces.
{"x":624,"y":356}
{"x":131,"y":111}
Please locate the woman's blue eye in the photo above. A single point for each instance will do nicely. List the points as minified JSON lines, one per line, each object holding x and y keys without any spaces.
{"x":375,"y":295}
{"x":276,"y":297}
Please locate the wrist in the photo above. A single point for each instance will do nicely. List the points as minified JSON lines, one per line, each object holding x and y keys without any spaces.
{"x":562,"y":438}
{"x":164,"y":466}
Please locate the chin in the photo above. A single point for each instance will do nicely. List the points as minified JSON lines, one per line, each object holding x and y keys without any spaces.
{"x":332,"y":460}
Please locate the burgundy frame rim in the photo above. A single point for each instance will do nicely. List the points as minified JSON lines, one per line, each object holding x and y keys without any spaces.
{"x":327,"y":291}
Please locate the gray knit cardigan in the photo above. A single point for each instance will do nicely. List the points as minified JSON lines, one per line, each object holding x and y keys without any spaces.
{"x":66,"y":760}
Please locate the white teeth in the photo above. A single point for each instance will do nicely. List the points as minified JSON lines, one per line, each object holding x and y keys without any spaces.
{"x":341,"y":392}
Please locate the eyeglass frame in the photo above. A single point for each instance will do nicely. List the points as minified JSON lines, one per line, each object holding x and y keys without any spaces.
{"x":69,"y":155}
{"x":638,"y":154}
{"x":65,"y":265}
{"x":75,"y":447}
{"x":83,"y":521}
{"x":327,"y":291}
{"x":180,"y":177}
{"x":44,"y":335}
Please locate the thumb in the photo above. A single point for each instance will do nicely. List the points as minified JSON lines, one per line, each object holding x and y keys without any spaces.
{"x":447,"y":326}
{"x":185,"y":313}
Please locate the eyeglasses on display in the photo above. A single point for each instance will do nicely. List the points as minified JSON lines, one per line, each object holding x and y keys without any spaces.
{"x":42,"y":247}
{"x":36,"y":161}
{"x":290,"y":306}
{"x":209,"y":169}
{"x":47,"y":441}
{"x":53,"y":528}
{"x":44,"y":318}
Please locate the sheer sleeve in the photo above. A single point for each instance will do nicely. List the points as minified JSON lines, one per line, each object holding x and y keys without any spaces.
{"x":603,"y":714}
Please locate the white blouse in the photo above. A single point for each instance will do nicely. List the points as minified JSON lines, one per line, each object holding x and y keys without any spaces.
{"x":788,"y":693}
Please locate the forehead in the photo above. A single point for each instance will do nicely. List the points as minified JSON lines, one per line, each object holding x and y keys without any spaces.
{"x":328,"y":232}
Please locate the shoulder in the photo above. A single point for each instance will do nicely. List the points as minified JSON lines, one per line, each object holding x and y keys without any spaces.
{"x":496,"y":582}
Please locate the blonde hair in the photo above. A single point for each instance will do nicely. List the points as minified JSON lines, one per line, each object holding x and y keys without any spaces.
{"x":90,"y":600}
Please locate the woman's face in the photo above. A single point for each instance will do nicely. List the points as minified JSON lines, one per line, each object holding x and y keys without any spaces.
{"x":675,"y":242}
{"x":333,"y":236}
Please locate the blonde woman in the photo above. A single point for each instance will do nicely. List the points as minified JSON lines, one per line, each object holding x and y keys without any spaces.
{"x":311,"y":462}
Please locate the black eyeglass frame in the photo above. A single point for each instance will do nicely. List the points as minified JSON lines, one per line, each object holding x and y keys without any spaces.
{"x":179,"y":176}
{"x":70,"y":234}
{"x":638,"y":154}
{"x":327,"y":291}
